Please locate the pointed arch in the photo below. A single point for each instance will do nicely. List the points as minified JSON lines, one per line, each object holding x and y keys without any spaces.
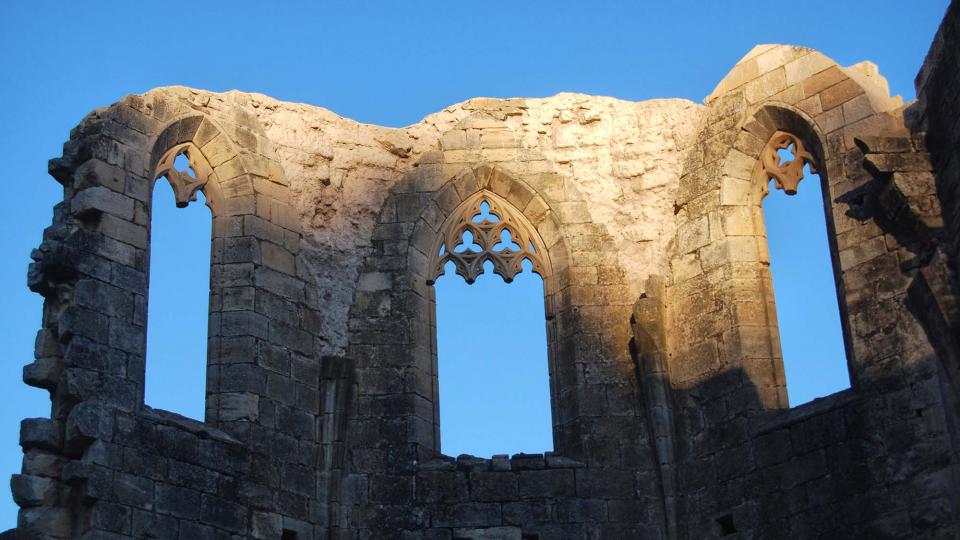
{"x":501,"y":218}
{"x":221,"y":173}
{"x":748,"y":167}
{"x":737,"y":240}
{"x":417,"y":234}
{"x":527,"y":208}
{"x":255,"y":246}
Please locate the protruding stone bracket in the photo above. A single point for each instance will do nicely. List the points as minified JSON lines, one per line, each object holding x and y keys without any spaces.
{"x":485,"y":228}
{"x":906,"y":202}
{"x":786,"y":175}
{"x":185,"y":186}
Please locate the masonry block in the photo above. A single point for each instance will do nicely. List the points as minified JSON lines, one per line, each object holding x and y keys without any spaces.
{"x":670,"y":416}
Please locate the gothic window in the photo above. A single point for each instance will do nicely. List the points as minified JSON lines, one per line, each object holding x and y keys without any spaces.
{"x":487,"y":229}
{"x":179,"y":286}
{"x":494,"y":394}
{"x":804,"y":280}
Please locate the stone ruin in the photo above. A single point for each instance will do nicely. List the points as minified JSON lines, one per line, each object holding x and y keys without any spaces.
{"x":670,"y":412}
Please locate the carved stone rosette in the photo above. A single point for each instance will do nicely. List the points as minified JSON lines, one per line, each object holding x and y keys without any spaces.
{"x":489,"y":243}
{"x":787,"y":175}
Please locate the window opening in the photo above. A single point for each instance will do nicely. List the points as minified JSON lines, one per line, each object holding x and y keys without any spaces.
{"x":805,"y":289}
{"x":179,"y":296}
{"x":485,"y":215}
{"x":181,"y":164}
{"x":494,"y":388}
{"x":492,"y":363}
{"x":467,"y":244}
{"x":726,"y":525}
{"x":506,"y":242}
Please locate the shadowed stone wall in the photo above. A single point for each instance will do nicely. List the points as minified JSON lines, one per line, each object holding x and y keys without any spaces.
{"x":670,"y":411}
{"x":937,"y":113}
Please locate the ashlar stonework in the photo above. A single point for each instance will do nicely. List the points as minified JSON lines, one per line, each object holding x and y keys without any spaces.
{"x":670,"y":411}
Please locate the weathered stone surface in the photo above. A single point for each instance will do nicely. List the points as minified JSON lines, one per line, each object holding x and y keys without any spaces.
{"x":101,"y":199}
{"x":645,"y":222}
{"x":31,"y":490}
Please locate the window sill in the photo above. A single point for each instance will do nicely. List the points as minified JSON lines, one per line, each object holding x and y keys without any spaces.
{"x":502,"y":462}
{"x":776,"y":420}
{"x":190,"y":425}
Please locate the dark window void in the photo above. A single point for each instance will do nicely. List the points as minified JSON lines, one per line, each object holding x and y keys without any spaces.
{"x":493,"y":375}
{"x":725,"y":523}
{"x":805,"y":290}
{"x":179,"y":298}
{"x":288,"y":535}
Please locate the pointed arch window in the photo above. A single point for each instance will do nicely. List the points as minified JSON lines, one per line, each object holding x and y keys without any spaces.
{"x":494,"y":382}
{"x":803,"y":271}
{"x":178,"y":284}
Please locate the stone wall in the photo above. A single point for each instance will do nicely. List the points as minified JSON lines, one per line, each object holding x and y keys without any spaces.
{"x":936,"y":113}
{"x":873,"y":461}
{"x":645,"y":221}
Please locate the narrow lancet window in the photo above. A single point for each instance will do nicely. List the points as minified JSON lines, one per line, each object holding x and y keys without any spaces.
{"x":494,"y":388}
{"x":179,"y":298}
{"x":804,"y":282}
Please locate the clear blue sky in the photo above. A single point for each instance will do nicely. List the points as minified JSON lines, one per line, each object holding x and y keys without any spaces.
{"x":381,"y":62}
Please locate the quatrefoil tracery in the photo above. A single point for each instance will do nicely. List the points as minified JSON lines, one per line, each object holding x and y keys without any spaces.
{"x":786,"y":175}
{"x":485,"y":228}
{"x":185,"y":185}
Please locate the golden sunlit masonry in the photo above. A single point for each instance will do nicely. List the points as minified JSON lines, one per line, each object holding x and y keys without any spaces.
{"x":670,"y":411}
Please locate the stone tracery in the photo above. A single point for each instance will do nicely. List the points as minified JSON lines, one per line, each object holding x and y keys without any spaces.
{"x":786,"y":175}
{"x":184,"y":185}
{"x":487,"y":228}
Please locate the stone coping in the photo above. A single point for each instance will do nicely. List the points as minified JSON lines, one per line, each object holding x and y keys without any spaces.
{"x":782,"y":419}
{"x":502,"y":462}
